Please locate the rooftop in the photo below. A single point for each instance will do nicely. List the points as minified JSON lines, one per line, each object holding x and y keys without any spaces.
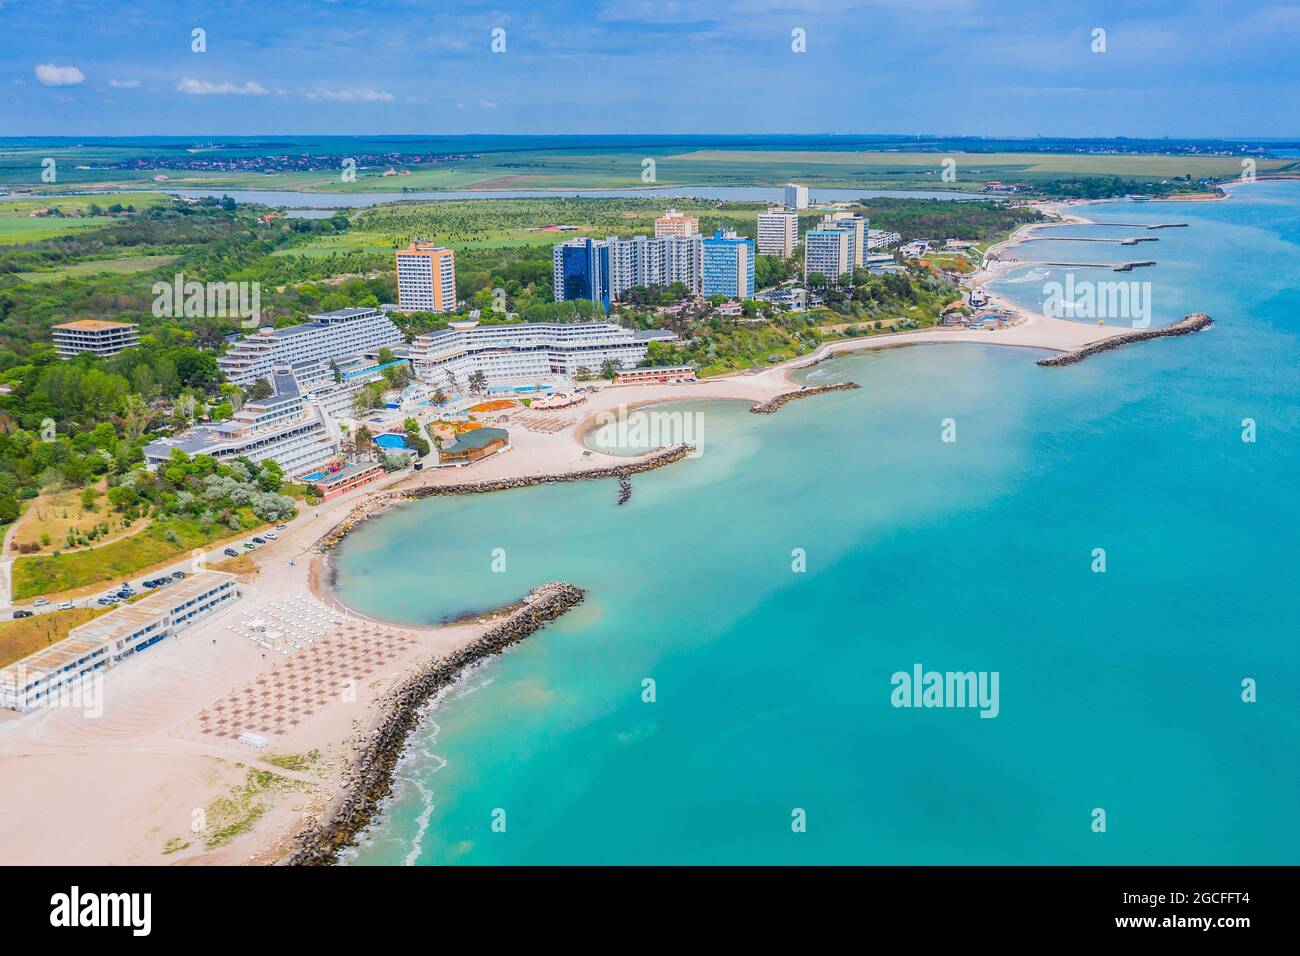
{"x":477,"y":438}
{"x":121,"y":622}
{"x":94,"y":325}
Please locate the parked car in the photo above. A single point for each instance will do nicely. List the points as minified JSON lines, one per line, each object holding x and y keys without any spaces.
{"x":281,"y":527}
{"x":107,"y":600}
{"x":65,"y":605}
{"x":40,"y":602}
{"x":21,"y":613}
{"x":230,"y":553}
{"x":249,"y":545}
{"x":259,"y":541}
{"x":178,"y":575}
{"x":272,"y":535}
{"x":150,"y":583}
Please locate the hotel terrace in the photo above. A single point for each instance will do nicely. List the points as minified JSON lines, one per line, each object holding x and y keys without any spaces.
{"x":327,"y":335}
{"x":45,"y":678}
{"x":288,"y":427}
{"x":523,"y":354}
{"x":94,"y":336}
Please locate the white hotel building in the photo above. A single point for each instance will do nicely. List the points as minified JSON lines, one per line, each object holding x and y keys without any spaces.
{"x":325,"y":336}
{"x":58,"y":675}
{"x":295,"y":431}
{"x":522,"y":354}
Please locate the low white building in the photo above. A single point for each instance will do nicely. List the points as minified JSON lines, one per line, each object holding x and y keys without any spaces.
{"x":882,"y":239}
{"x":58,"y":675}
{"x":94,"y":336}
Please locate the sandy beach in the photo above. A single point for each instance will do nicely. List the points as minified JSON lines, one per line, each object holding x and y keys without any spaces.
{"x":150,"y":781}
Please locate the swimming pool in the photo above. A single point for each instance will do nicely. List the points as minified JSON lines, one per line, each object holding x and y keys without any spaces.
{"x":391,"y":441}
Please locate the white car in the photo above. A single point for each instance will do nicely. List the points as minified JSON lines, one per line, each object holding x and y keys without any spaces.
{"x":65,"y":605}
{"x":272,"y":535}
{"x":40,"y":602}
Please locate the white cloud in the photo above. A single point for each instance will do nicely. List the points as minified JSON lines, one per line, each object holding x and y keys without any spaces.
{"x":487,"y":104}
{"x":51,"y":75}
{"x":124,"y":84}
{"x":207,"y":88}
{"x":352,"y":96}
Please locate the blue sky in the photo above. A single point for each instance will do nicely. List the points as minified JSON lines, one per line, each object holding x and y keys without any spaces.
{"x":1012,"y":67}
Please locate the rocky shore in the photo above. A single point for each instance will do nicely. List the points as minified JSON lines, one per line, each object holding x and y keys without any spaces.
{"x":380,"y":502}
{"x":773,"y":404}
{"x":1185,"y":326}
{"x":370,"y":778}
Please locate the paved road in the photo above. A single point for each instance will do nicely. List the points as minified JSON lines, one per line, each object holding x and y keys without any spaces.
{"x":137,"y":583}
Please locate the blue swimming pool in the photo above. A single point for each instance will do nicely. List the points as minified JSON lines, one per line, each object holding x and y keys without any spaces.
{"x":391,"y":441}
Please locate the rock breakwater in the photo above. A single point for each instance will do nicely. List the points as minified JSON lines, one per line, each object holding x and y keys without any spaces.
{"x":1185,"y":326}
{"x":380,"y":502}
{"x":370,"y":778}
{"x":773,"y":404}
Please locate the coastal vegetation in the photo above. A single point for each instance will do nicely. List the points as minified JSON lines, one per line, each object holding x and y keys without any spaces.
{"x":852,"y":162}
{"x":191,"y":503}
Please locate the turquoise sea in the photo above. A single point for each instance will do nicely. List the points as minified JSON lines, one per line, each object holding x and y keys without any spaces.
{"x":1119,"y":691}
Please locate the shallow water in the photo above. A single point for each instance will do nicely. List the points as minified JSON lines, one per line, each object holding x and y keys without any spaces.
{"x":1118,"y":690}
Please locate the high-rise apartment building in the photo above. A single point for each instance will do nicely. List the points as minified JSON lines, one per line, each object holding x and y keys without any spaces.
{"x":728,"y":265}
{"x":796,"y":196}
{"x":828,"y":252}
{"x":601,"y":270}
{"x":778,"y":233}
{"x":855,"y":223}
{"x":580,"y":270}
{"x":426,"y":278}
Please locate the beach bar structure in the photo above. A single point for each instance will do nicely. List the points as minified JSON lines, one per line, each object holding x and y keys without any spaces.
{"x":472,"y":445}
{"x":53,"y":674}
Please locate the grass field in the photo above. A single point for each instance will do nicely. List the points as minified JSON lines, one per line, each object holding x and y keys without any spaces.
{"x":48,"y":518}
{"x":20,"y":638}
{"x":18,"y":227}
{"x":35,"y":575}
{"x":622,"y":169}
{"x":500,"y":223}
{"x":96,"y":266}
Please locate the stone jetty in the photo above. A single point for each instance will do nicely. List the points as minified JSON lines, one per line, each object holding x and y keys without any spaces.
{"x":624,"y":489}
{"x":381,"y":501}
{"x":370,"y":778}
{"x":773,"y":404}
{"x":1192,"y":323}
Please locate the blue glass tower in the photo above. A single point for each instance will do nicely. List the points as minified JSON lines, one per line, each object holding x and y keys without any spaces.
{"x":728,"y":265}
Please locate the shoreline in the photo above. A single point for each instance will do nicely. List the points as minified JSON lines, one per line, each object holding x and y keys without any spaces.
{"x":368,"y":781}
{"x":153,"y":701}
